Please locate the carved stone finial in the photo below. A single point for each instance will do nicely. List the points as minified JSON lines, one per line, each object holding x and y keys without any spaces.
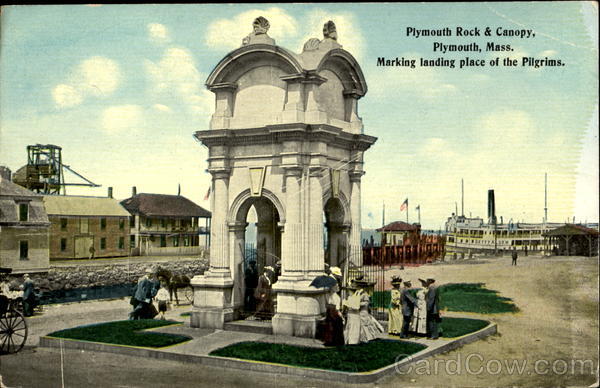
{"x":329,"y":30}
{"x":311,"y":44}
{"x":260,"y":26}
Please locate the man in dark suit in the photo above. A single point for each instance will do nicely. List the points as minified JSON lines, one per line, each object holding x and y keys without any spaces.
{"x":251,"y":281}
{"x":146,"y":290}
{"x":28,"y":296}
{"x":262,"y":294}
{"x":407,"y":301}
{"x":514,"y":256}
{"x":433,"y":309}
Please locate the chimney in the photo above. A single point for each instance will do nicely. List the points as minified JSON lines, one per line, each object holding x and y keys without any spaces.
{"x":491,"y":207}
{"x":133,"y":191}
{"x":110,"y":194}
{"x":5,"y":173}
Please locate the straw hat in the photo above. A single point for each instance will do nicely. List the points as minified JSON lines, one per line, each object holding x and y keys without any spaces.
{"x":396,"y":280}
{"x":336,"y":271}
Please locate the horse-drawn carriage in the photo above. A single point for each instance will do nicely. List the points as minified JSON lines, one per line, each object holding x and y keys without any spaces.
{"x":13,"y":327}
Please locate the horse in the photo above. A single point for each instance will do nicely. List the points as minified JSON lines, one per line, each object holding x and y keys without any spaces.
{"x":174,"y":282}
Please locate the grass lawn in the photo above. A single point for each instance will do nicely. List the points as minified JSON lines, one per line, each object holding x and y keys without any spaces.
{"x":351,"y":358}
{"x":124,"y":333}
{"x":456,"y":327}
{"x":468,"y":297}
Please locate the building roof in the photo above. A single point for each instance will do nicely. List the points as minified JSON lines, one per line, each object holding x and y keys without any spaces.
{"x":71,"y":205}
{"x":572,"y":229}
{"x":10,"y":189}
{"x":163,"y":205}
{"x":399,"y":226}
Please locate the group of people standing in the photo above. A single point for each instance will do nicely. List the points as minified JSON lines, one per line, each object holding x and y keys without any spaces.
{"x":26,"y":293}
{"x":418,"y":314}
{"x":349,"y":321}
{"x":145,"y":291}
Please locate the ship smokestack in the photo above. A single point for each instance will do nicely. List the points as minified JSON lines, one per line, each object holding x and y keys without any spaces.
{"x":491,"y":207}
{"x":110,"y":192}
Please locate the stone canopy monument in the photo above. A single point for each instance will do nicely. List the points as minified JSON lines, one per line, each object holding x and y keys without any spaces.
{"x":286,"y":139}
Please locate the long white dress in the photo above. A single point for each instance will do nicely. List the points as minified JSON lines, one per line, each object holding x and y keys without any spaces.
{"x":360,"y":325}
{"x":418,"y":324}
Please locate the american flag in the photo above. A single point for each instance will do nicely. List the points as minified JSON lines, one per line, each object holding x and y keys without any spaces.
{"x":404,"y":205}
{"x":207,"y":194}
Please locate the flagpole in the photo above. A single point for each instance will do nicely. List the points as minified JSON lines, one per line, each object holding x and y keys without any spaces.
{"x":407,"y":207}
{"x":419,"y":213}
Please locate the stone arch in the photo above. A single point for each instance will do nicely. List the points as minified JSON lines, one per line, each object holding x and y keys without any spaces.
{"x":344,"y":203}
{"x":343,"y":64}
{"x":241,"y":201}
{"x":249,"y":57}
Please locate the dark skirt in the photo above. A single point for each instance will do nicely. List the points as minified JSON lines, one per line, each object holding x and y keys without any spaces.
{"x":333,"y":330}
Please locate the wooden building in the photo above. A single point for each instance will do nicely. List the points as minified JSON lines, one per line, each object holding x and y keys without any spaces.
{"x":164,"y":224}
{"x":23,"y":228}
{"x":81,"y":223}
{"x":573,"y":240}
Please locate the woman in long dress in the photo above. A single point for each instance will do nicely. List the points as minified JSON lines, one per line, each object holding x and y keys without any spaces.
{"x":418,"y":323}
{"x":360,"y":325}
{"x":334,"y":323}
{"x":395,"y":310}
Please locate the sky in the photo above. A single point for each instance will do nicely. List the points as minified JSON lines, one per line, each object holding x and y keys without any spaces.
{"x":121,"y":89}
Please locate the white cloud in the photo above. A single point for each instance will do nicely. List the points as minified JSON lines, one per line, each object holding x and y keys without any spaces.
{"x":96,"y":76}
{"x":548,"y":53}
{"x":228,"y":33}
{"x":66,"y":96}
{"x":349,"y":34}
{"x":161,"y":107}
{"x":158,"y":33}
{"x":175,"y":79}
{"x":122,"y":118}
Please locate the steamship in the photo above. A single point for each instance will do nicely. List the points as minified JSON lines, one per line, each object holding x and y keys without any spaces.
{"x":466,"y":235}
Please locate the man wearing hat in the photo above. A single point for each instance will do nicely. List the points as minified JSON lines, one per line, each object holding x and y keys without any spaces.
{"x":146,"y":290}
{"x":408,"y":304}
{"x":433,"y":312}
{"x":395,"y":313}
{"x":28,"y":296}
{"x":263,"y":294}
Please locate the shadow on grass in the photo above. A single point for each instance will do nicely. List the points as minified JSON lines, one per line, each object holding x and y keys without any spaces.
{"x":124,"y":333}
{"x":350,"y":358}
{"x":464,"y":297}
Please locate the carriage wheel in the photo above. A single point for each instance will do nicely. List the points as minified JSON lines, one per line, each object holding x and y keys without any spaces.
{"x":189,"y":294}
{"x":13,"y":332}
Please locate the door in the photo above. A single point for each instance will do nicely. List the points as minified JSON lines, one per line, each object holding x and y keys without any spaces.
{"x":82,"y":246}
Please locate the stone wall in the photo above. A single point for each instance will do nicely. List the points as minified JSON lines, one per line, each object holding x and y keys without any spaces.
{"x":67,"y":277}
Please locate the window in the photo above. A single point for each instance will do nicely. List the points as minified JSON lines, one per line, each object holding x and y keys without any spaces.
{"x":102,"y":223}
{"x":121,"y":242}
{"x":83,"y":225}
{"x":23,"y":250}
{"x":132,"y":222}
{"x":121,"y":223}
{"x":103,"y":243}
{"x":186,"y":241}
{"x":148,"y":222}
{"x":63,"y":244}
{"x":132,"y":241}
{"x":63,"y":223}
{"x":163,"y":241}
{"x":176,"y":241}
{"x":23,"y":212}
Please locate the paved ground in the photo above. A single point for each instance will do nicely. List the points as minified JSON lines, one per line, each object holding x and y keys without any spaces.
{"x":555,"y":334}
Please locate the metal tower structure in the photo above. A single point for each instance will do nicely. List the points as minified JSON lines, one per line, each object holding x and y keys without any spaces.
{"x":44,"y":172}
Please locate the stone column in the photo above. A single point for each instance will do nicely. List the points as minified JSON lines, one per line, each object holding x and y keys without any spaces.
{"x":316,"y":255}
{"x":223,"y":104}
{"x":298,"y":305}
{"x":237,"y":231}
{"x":351,"y":100}
{"x":314,"y":114}
{"x":293,"y":110}
{"x":213,"y":290}
{"x":291,"y":240}
{"x":355,"y":229}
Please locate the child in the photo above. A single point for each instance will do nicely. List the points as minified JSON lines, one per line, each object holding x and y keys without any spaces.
{"x":162,"y":296}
